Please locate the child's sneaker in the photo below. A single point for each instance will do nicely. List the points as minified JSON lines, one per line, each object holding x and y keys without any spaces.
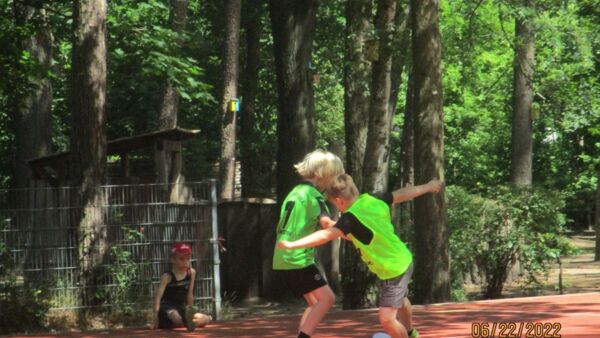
{"x":413,"y":333}
{"x":189,"y":318}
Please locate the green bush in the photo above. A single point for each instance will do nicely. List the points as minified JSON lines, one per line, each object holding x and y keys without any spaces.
{"x":490,"y":233}
{"x":123,"y":271}
{"x":23,"y":305}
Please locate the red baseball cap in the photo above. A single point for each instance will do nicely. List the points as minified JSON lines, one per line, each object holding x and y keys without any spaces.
{"x":181,"y":249}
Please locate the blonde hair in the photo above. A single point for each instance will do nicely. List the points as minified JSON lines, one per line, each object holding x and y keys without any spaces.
{"x":320,"y":164}
{"x":342,"y":187}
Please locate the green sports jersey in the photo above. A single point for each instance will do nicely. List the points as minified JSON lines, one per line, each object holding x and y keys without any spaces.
{"x":386,"y":255}
{"x":299,"y":217}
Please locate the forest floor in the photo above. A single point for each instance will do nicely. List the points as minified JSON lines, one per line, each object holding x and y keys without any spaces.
{"x":580,"y":274}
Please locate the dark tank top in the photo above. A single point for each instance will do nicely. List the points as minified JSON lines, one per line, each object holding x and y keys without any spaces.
{"x":176,"y":291}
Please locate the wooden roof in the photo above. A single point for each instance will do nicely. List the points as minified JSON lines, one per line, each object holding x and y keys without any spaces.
{"x":123,"y":145}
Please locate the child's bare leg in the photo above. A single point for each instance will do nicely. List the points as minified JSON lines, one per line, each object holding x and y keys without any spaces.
{"x":310,"y":301}
{"x":324,"y":300}
{"x":387,"y":318}
{"x":200,"y":319}
{"x":405,"y":314}
{"x":175,"y":317}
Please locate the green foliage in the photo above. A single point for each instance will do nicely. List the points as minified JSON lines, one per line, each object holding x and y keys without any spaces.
{"x":477,"y":87}
{"x":329,"y":90}
{"x":17,"y":68}
{"x":490,"y":232}
{"x":477,"y":57}
{"x":123,"y":271}
{"x":569,"y":107}
{"x":145,"y":52}
{"x":24,"y":304}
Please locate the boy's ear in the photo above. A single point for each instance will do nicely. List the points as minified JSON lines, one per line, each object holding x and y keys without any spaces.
{"x":338,"y":200}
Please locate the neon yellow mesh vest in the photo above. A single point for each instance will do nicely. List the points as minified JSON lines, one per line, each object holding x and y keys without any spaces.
{"x":386,"y":256}
{"x":299,"y":217}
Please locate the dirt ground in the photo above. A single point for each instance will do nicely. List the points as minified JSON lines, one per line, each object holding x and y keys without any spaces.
{"x":580,"y":275}
{"x":580,"y":272}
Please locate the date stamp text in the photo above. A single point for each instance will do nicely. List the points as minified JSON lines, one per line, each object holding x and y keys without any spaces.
{"x":516,"y":330}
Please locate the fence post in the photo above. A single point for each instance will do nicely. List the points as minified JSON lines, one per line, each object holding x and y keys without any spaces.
{"x":215,"y":242}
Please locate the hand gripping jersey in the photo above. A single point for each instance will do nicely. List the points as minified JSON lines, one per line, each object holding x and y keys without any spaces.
{"x":299,"y":217}
{"x":386,"y":255}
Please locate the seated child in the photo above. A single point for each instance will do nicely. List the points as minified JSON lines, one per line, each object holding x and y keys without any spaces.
{"x":175,"y":294}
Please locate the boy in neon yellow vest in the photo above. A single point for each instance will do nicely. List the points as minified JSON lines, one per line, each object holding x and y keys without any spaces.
{"x":367,"y":223}
{"x":302,"y":211}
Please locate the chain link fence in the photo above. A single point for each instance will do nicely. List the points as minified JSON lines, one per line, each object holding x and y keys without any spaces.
{"x":141,"y":222}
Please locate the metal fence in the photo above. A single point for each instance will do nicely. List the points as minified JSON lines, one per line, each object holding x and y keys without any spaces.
{"x":141,"y":223}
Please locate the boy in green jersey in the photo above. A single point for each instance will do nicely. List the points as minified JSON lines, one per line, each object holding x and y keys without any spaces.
{"x":367,"y":223}
{"x":303,"y":209}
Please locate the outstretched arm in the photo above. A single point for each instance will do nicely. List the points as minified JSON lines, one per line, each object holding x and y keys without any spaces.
{"x":314,"y":239}
{"x":408,"y":193}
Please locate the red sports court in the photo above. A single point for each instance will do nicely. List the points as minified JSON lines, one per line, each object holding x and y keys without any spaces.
{"x":566,"y":316}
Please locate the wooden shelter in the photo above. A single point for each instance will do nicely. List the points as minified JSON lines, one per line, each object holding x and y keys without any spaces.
{"x":55,"y":168}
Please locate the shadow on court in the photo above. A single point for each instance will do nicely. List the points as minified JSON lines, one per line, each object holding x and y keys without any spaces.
{"x":567,"y":316}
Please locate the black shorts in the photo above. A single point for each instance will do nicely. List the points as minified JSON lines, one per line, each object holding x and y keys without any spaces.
{"x":163,"y":319}
{"x":303,"y":281}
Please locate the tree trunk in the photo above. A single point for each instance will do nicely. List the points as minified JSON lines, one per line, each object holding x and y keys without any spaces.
{"x":597,"y":226}
{"x":377,"y":153}
{"x":406,"y":222}
{"x":521,"y":142}
{"x":400,"y":52}
{"x":407,"y":147}
{"x":33,"y":135}
{"x":231,"y":64}
{"x":357,"y":72}
{"x":170,"y":104}
{"x":88,"y":141}
{"x":356,"y":278}
{"x":293,"y":26}
{"x":400,"y":57}
{"x":432,"y":280}
{"x":168,"y":156}
{"x":251,"y":173}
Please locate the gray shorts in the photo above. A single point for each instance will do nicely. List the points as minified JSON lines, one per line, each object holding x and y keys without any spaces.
{"x":393,"y":291}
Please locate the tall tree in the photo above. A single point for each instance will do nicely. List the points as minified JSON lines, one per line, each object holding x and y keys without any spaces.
{"x":400,"y":59}
{"x":407,"y":145}
{"x":406,"y":176}
{"x":523,"y":69}
{"x":357,"y":70}
{"x":293,"y":26}
{"x":88,"y":141}
{"x":432,"y":280}
{"x":231,"y":66}
{"x":377,"y":152}
{"x":168,"y":153}
{"x":357,"y":74}
{"x":597,"y":220}
{"x":33,"y":134}
{"x":170,"y":106}
{"x":400,"y":51}
{"x":251,"y":174}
